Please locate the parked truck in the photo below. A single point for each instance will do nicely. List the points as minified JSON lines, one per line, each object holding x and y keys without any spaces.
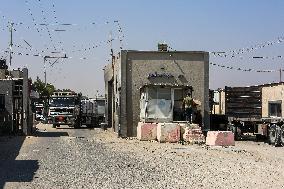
{"x":65,"y":109}
{"x":93,"y":111}
{"x":256,"y":110}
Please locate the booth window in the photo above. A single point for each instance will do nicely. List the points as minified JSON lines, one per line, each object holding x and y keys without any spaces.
{"x":159,"y":104}
{"x":162,"y":104}
{"x":159,"y":93}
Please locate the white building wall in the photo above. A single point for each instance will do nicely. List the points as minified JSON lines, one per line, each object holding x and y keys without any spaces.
{"x":272,"y":93}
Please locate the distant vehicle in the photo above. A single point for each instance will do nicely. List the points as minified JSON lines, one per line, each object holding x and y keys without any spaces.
{"x":40,"y":117}
{"x":64,"y":109}
{"x":39,"y":112}
{"x":93,"y":111}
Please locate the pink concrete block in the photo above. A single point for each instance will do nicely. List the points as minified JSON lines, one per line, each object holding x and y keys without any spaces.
{"x":147,"y":131}
{"x":168,"y":132}
{"x":193,"y":135}
{"x":220,"y":138}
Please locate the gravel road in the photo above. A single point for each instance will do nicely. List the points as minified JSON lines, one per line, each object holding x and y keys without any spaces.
{"x":84,"y":158}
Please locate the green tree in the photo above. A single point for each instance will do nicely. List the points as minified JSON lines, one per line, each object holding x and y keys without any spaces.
{"x":44,"y":91}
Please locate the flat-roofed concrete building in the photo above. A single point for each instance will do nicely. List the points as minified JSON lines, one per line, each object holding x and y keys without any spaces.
{"x":150,"y":86}
{"x":15,"y":111}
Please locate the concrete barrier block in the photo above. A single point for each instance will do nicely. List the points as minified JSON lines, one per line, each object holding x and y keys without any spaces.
{"x":193,"y":135}
{"x":183,"y":127}
{"x":147,"y":131}
{"x":220,"y":138}
{"x":168,"y":132}
{"x":194,"y":126}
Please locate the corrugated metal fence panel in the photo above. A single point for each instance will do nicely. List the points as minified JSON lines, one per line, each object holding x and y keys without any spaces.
{"x":243,"y":102}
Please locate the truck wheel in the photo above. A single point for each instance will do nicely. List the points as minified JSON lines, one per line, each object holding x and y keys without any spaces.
{"x":235,"y":130}
{"x":77,"y":125}
{"x":55,"y":125}
{"x":282,"y":135}
{"x":278,"y":136}
{"x":259,"y":137}
{"x":90,"y":126}
{"x":274,"y":135}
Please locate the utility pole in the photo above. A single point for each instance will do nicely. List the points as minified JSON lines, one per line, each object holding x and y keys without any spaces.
{"x":111,"y":52}
{"x":44,"y":67}
{"x":44,"y":62}
{"x":10,"y":63}
{"x":280,"y":72}
{"x":110,"y":43}
{"x":11,"y":42}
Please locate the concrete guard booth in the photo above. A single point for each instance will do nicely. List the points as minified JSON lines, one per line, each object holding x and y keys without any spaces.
{"x":15,"y":111}
{"x":149,"y":86}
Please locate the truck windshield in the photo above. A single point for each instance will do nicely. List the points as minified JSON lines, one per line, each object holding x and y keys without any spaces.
{"x":62,"y":101}
{"x":101,"y":103}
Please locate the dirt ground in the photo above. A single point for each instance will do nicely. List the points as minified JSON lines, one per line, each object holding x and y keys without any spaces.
{"x":93,"y":158}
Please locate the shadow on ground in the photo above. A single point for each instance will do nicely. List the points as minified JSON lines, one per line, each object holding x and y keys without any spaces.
{"x":68,"y":128}
{"x":50,"y":134}
{"x":82,"y":127}
{"x":12,"y":170}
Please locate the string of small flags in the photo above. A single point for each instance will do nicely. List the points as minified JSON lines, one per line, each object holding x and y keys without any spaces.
{"x":41,"y":55}
{"x":121,"y":35}
{"x":80,"y":49}
{"x":56,"y":22}
{"x":46,"y":26}
{"x":31,"y":49}
{"x":54,"y":13}
{"x":268,"y":57}
{"x":263,"y":57}
{"x":235,"y":53}
{"x":36,"y":26}
{"x":33,"y":18}
{"x":243,"y":69}
{"x":99,"y":44}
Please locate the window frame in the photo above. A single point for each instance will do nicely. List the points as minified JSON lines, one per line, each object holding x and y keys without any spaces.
{"x":277,"y":104}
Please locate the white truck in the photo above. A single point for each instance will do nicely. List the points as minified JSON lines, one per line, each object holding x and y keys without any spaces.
{"x":93,"y":111}
{"x":64,"y":109}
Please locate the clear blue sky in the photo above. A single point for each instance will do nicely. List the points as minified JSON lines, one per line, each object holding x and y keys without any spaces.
{"x":209,"y":25}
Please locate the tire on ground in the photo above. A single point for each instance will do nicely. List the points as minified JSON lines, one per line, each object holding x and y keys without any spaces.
{"x":258,"y":137}
{"x":77,"y":124}
{"x":90,"y":126}
{"x":282,"y":135}
{"x":234,"y":129}
{"x":278,"y":136}
{"x":272,"y":134}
